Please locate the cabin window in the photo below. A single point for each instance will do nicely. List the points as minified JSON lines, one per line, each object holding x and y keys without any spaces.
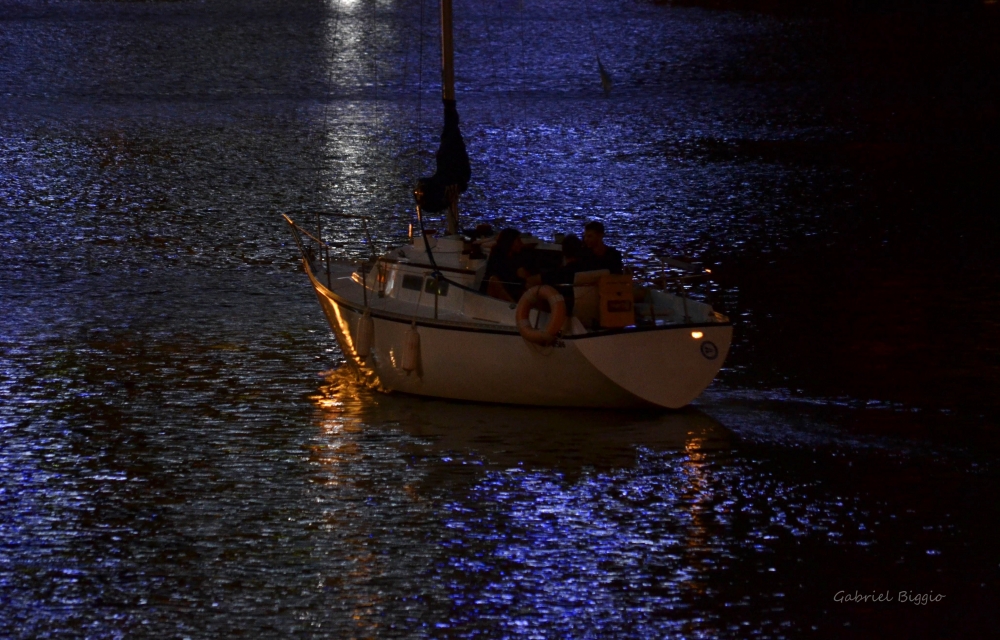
{"x":442,"y":288}
{"x":412,"y":282}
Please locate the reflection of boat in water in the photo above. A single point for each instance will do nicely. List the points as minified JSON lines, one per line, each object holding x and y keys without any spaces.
{"x":415,"y":319}
{"x":504,"y":435}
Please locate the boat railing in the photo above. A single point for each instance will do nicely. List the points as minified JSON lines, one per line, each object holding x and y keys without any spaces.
{"x":681,"y":278}
{"x":666,"y":273}
{"x":324,"y":247}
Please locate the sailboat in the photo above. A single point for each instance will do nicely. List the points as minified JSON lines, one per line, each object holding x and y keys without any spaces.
{"x":418,"y":318}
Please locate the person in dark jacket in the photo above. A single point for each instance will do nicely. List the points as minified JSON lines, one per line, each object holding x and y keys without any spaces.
{"x":596,"y":254}
{"x":505,"y":272}
{"x":562,"y":277}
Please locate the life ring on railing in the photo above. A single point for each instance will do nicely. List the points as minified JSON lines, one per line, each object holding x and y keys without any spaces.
{"x":557,"y":314}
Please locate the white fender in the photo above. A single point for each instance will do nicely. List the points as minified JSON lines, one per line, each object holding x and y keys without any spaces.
{"x":366,"y":335}
{"x":411,"y":349}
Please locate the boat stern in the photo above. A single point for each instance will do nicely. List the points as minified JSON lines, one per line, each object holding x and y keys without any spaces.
{"x":668,"y":367}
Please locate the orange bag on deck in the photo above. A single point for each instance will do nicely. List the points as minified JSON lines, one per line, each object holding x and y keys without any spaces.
{"x":617,"y":308}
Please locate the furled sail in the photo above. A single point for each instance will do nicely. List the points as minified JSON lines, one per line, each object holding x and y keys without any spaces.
{"x":453,"y":169}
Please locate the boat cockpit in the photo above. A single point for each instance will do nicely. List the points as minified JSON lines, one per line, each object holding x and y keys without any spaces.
{"x":404,"y":280}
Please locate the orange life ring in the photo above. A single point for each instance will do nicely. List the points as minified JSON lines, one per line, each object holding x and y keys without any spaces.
{"x":557,"y":314}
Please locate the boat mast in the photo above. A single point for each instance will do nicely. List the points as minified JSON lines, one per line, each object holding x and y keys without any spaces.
{"x":440,"y":191}
{"x":448,"y":95}
{"x":447,"y":53}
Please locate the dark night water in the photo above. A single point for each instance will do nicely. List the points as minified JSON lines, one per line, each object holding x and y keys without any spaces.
{"x":172,"y":464}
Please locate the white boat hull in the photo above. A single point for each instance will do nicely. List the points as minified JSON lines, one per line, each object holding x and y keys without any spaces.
{"x":661,"y":366}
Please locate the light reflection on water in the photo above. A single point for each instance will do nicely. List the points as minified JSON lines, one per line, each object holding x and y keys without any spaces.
{"x":566,"y":440}
{"x":550,"y":519}
{"x":203,"y":481}
{"x":634,"y":523}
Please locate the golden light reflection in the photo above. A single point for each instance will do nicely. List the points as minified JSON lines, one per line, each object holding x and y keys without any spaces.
{"x":341,"y":456}
{"x":697,"y":498}
{"x":345,"y":329}
{"x":697,"y":335}
{"x":340,"y":424}
{"x":342,"y":328}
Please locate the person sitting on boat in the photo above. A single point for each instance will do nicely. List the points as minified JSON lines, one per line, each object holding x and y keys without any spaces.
{"x":596,"y":254}
{"x":505,"y":270}
{"x":562,"y":277}
{"x":474,"y":247}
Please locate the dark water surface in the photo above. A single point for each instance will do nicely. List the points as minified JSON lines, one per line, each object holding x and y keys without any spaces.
{"x":172,"y":464}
